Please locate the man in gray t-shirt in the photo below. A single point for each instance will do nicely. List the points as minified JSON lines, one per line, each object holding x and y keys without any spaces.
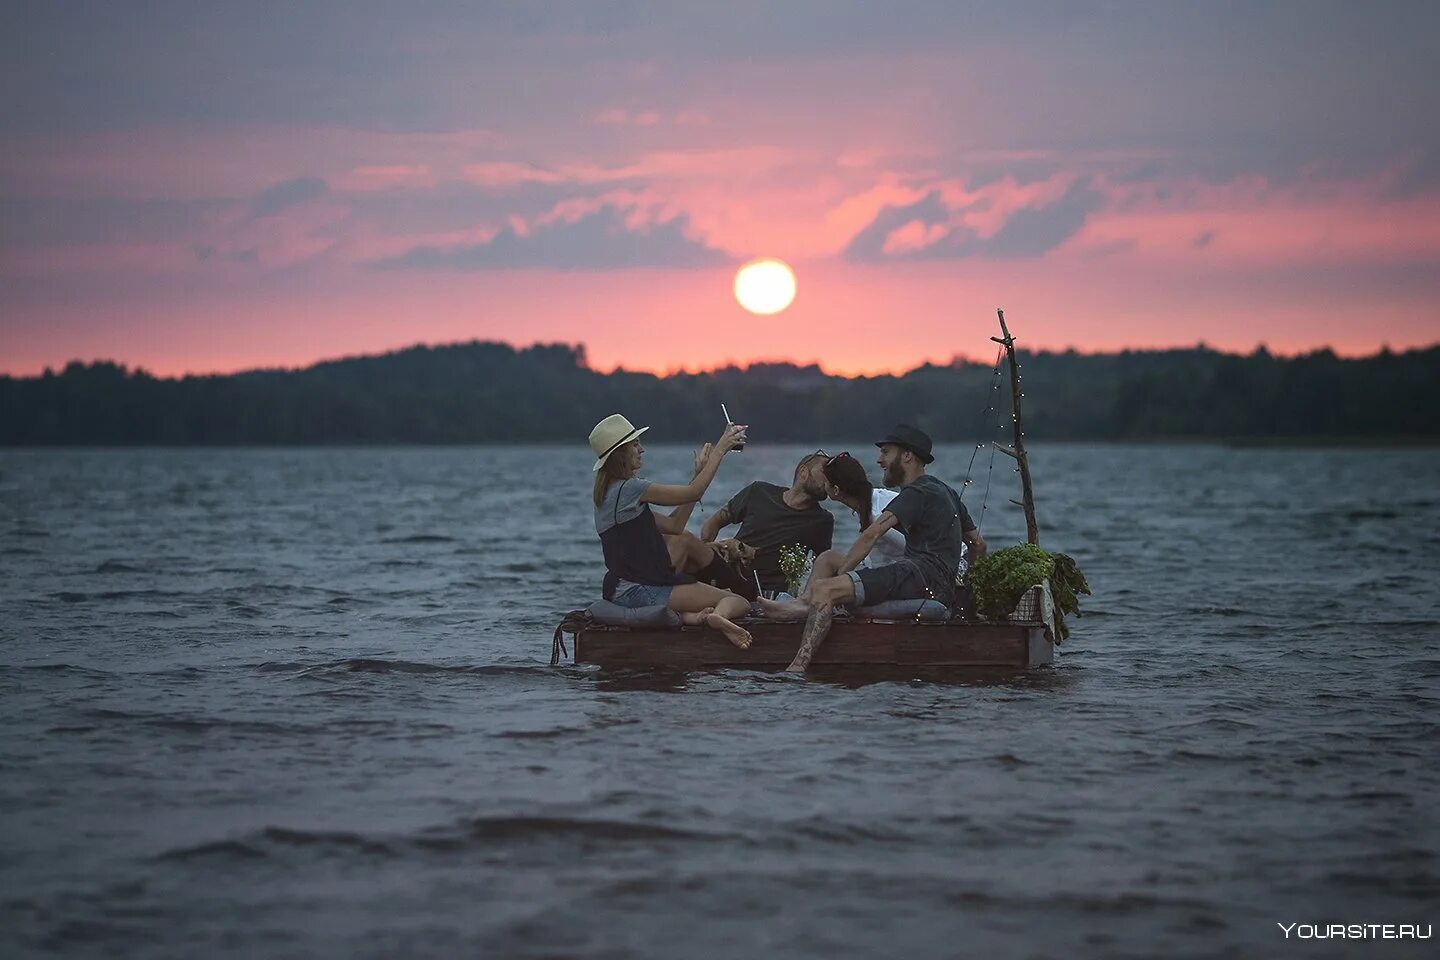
{"x":772,"y":517}
{"x":934,"y":522}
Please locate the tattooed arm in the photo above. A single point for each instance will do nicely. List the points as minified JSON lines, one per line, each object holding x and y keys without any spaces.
{"x":710,"y":529}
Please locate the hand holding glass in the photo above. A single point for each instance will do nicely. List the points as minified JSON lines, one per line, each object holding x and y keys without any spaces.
{"x":740,"y":444}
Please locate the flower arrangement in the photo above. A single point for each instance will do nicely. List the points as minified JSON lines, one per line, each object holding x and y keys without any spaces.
{"x":795,"y":563}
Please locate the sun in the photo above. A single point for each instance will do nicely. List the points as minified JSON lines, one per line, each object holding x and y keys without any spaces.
{"x":765,"y":286}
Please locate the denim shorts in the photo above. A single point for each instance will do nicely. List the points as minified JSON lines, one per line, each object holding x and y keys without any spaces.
{"x":643,"y":595}
{"x":901,"y":580}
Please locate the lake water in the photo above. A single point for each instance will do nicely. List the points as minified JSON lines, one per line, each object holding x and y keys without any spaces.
{"x":297,"y":703}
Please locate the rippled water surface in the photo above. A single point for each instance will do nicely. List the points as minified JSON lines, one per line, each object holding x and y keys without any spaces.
{"x":298,"y":703}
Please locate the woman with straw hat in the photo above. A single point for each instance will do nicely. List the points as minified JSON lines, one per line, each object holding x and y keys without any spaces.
{"x":638,"y":570}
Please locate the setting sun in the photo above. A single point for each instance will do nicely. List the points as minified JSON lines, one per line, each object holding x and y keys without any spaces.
{"x":765,"y":286}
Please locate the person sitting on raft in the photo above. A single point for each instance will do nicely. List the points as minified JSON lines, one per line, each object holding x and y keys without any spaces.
{"x":930,"y":515}
{"x":638,"y":567}
{"x":772,"y":517}
{"x":847,"y":483}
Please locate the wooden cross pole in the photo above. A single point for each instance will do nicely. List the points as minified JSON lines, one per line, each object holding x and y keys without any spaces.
{"x":1032,"y":531}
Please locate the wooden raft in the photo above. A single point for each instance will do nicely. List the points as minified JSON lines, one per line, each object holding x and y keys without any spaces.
{"x":1010,"y":644}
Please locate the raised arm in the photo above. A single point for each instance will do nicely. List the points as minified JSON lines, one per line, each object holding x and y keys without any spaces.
{"x":674,"y":495}
{"x":680,"y":516}
{"x":868,"y":538}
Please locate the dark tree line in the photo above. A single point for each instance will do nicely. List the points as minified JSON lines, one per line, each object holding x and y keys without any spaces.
{"x":492,"y":392}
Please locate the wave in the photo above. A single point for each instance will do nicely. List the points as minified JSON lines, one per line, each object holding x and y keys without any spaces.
{"x":75,"y":596}
{"x":270,"y":841}
{"x":848,"y":834}
{"x":192,"y":723}
{"x":54,"y":668}
{"x":421,"y":538}
{"x":488,"y":830}
{"x":120,"y":566}
{"x":1363,"y":514}
{"x":476,"y":833}
{"x":381,"y":665}
{"x":1125,"y":904}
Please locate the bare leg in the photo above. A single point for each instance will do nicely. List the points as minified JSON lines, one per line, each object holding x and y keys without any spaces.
{"x":688,"y":553}
{"x":784,"y":609}
{"x":826,"y":565}
{"x":825,"y":594}
{"x":723,"y":606}
{"x":696,"y":619}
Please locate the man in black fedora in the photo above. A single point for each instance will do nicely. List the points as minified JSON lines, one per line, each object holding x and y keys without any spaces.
{"x":935,"y":524}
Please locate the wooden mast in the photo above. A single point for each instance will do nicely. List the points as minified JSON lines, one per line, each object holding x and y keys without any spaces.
{"x":1032,"y":531}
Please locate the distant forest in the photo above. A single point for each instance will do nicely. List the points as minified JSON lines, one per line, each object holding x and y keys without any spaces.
{"x":492,"y":392}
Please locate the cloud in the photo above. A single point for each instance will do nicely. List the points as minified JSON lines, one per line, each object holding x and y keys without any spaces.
{"x":619,"y":117}
{"x":1420,"y":174}
{"x":1037,"y":230}
{"x":286,"y":194}
{"x":929,"y":230}
{"x":869,"y":243}
{"x":603,"y":239}
{"x":67,"y":221}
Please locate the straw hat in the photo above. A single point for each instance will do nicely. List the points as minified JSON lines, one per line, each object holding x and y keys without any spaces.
{"x":610,"y":435}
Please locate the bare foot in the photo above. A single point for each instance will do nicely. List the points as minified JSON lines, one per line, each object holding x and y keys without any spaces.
{"x":696,"y":619}
{"x":736,"y":635}
{"x":784,"y":610}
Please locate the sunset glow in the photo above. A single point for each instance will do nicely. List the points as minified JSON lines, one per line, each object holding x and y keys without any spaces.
{"x":404,"y":188}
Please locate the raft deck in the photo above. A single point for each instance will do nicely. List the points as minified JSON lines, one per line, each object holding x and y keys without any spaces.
{"x":957,"y":643}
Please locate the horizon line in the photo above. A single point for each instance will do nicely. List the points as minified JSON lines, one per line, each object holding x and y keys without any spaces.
{"x":680,"y":369}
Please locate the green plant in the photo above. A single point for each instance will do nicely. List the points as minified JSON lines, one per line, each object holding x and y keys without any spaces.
{"x":1066,"y":581}
{"x":1000,"y":580}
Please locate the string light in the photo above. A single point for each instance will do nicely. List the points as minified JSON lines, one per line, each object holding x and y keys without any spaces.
{"x":991,"y":407}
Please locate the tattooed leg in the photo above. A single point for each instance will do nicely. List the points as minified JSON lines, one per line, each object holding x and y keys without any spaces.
{"x":817,"y":625}
{"x":825,"y":594}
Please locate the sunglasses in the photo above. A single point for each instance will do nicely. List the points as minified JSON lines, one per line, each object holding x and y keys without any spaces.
{"x":825,"y":467}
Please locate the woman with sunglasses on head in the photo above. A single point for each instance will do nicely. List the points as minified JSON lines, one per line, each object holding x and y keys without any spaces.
{"x":638,"y":565}
{"x":846,"y":482}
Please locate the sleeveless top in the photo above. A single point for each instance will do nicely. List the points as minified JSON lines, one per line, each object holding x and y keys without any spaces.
{"x":632,"y":544}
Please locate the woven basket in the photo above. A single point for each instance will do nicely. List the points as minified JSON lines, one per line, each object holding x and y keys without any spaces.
{"x":1028,"y":609}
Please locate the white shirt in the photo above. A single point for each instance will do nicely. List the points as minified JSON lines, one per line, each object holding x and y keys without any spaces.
{"x":891,"y":546}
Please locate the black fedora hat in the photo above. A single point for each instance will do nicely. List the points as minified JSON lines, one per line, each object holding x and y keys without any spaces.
{"x":913,"y":439}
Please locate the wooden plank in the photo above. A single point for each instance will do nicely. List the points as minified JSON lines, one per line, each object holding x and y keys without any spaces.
{"x":849,"y":643}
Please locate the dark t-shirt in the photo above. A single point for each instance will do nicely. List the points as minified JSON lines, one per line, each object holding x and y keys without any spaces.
{"x":767,"y":524}
{"x":932,"y":518}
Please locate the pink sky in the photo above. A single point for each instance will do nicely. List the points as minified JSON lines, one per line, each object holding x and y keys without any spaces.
{"x":183,"y":206}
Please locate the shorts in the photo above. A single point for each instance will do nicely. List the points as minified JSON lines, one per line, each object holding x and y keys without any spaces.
{"x":901,"y":580}
{"x":642,"y":595}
